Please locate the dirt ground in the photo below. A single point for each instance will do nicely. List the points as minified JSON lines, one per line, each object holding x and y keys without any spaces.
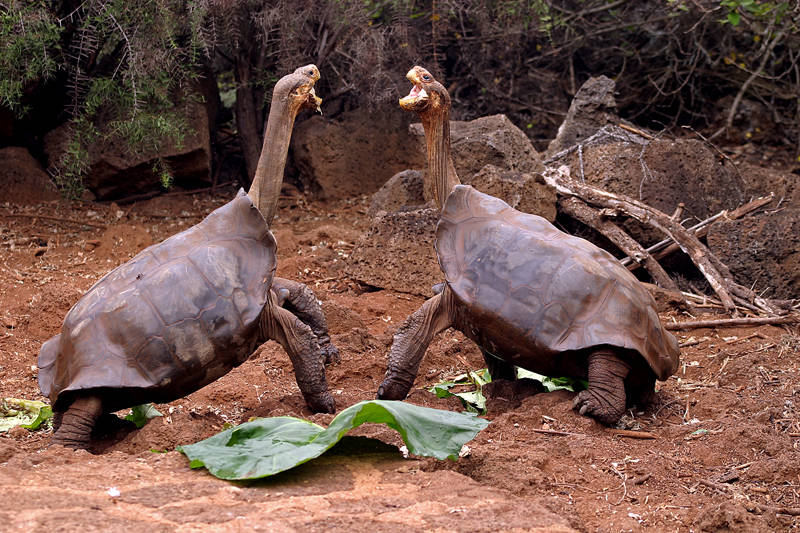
{"x":724,"y":458}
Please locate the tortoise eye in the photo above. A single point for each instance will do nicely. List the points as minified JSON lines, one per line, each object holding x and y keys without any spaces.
{"x":426,"y":77}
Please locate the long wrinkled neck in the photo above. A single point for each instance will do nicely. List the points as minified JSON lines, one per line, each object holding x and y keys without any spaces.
{"x":441,"y":171}
{"x":266,"y":186}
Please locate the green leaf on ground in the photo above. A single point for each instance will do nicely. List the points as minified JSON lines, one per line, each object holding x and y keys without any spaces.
{"x":473,"y":400}
{"x":140,"y":414}
{"x":469,"y":386}
{"x":267,"y":446}
{"x":553,"y":384}
{"x":30,"y":414}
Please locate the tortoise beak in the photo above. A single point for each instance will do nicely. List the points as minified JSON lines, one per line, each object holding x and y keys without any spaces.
{"x":417,"y":93}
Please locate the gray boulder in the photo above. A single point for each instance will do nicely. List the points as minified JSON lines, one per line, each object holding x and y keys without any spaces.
{"x":492,"y":140}
{"x":592,"y":108}
{"x":761,"y":251}
{"x":353,"y":155}
{"x":397,"y":253}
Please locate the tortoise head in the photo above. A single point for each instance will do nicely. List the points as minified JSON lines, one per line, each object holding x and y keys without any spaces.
{"x":427,"y":96}
{"x":297,"y":89}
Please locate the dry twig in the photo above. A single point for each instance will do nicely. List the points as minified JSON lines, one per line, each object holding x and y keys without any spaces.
{"x":555,"y":432}
{"x":633,"y":434}
{"x":727,"y":322}
{"x":667,"y":246}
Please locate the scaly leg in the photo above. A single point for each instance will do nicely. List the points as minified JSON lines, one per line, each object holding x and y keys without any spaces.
{"x":301,"y":345}
{"x":604,"y":400}
{"x":302,"y":302}
{"x":77,"y":422}
{"x":410,"y":343}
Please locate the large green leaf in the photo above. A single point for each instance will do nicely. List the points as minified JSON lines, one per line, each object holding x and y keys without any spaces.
{"x":29,"y":414}
{"x":267,"y":446}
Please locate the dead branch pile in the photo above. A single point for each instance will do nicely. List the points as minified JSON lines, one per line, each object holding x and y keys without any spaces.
{"x":595,"y":207}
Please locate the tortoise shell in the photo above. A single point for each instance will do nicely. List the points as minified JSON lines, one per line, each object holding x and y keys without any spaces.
{"x":174,"y":318}
{"x":530,"y":293}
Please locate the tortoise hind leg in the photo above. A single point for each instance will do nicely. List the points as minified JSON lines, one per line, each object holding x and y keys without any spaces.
{"x":302,"y":302}
{"x":604,"y":400}
{"x":76,"y":423}
{"x":409,"y":345}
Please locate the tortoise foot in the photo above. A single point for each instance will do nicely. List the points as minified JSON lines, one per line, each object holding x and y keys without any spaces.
{"x":603,"y":408}
{"x":323,"y":403}
{"x":392,"y":389}
{"x":77,"y":423}
{"x":331,"y":353}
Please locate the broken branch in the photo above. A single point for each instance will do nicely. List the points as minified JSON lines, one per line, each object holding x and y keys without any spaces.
{"x":666,"y":247}
{"x":727,"y":322}
{"x":715,"y":272}
{"x":633,"y":434}
{"x":560,"y":180}
{"x":578,"y":210}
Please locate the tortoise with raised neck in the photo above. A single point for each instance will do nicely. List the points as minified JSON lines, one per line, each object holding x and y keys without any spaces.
{"x":528,"y":294}
{"x":185,"y":311}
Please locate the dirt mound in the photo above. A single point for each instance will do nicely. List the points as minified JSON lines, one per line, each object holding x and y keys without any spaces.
{"x":732,"y":517}
{"x":22,"y":179}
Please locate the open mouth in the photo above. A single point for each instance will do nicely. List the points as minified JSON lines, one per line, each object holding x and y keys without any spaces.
{"x":314,"y":100}
{"x":416,"y":95}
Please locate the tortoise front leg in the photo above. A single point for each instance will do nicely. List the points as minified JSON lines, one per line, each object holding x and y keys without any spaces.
{"x":301,"y":345}
{"x":300,"y":300}
{"x":604,"y":400}
{"x":409,"y":345}
{"x":75,"y":425}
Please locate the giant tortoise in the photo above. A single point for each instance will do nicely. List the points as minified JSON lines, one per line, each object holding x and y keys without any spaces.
{"x":185,"y":311}
{"x":528,"y":294}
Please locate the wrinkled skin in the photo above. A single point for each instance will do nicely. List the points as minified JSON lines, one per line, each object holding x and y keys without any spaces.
{"x":518,"y":320}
